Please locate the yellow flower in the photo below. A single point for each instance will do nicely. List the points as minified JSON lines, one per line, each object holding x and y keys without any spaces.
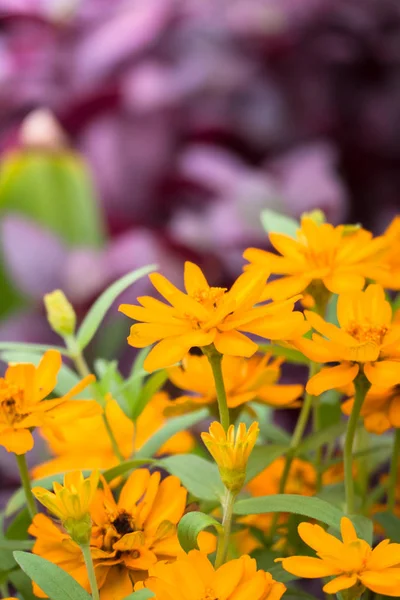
{"x":352,"y":562}
{"x":231,"y":451}
{"x":367,"y":339}
{"x":245,"y":379}
{"x":23,"y":406}
{"x":380,"y":409}
{"x":85,"y":443}
{"x":128,"y":535}
{"x":192,"y":576}
{"x":60,"y":313}
{"x":71,"y":503}
{"x":208,"y":315}
{"x":334,"y":257}
{"x":390,"y":277}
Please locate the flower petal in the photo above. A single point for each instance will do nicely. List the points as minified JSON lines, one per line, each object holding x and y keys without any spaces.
{"x":330,"y":378}
{"x":384,"y":373}
{"x":343,"y":582}
{"x":307,"y":566}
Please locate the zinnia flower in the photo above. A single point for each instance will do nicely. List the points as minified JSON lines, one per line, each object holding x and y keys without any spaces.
{"x":128,"y":535}
{"x":208,"y":315}
{"x":85,"y":443}
{"x":23,"y":390}
{"x":390,"y":277}
{"x":338,"y":257}
{"x":367,"y":339}
{"x":380,"y":409}
{"x":245,"y":380}
{"x":352,"y":562}
{"x":231,"y":451}
{"x":193,"y":576}
{"x":71,"y":503}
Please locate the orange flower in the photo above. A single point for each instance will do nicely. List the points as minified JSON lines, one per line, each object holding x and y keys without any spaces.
{"x":340,"y":258}
{"x":390,"y":277}
{"x":367,"y":338}
{"x":246,"y":379}
{"x":128,"y":536}
{"x":380,"y":409}
{"x":352,"y":563}
{"x":301,"y":480}
{"x":192,"y":576}
{"x":85,"y":444}
{"x":23,"y":406}
{"x":208,"y":315}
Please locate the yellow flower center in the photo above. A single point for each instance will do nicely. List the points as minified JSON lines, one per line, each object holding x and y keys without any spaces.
{"x":209,"y":595}
{"x":11,"y":397}
{"x":366,"y":332}
{"x":209,"y":298}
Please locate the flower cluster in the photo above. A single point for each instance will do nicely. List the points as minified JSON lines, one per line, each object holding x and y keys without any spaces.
{"x":174,"y":480}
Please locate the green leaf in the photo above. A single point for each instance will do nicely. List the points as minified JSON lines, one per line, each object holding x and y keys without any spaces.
{"x":364,"y":528}
{"x":324,"y":436}
{"x":125,"y":467}
{"x":198,"y":475}
{"x":153,"y":384}
{"x":22,"y":583}
{"x":261,"y":457}
{"x":11,"y":545}
{"x":171,"y":427}
{"x":55,"y":190}
{"x":310,"y":507}
{"x":289,"y":354}
{"x":274,"y":222}
{"x":391,"y":525}
{"x":191,"y":525}
{"x":56,"y":583}
{"x":18,"y":528}
{"x":30,"y":348}
{"x":140,"y":595}
{"x":96,"y":314}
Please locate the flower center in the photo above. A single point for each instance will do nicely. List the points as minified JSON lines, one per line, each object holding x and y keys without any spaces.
{"x":209,"y":298}
{"x":11,"y":397}
{"x":124,"y":523}
{"x":366,"y":332}
{"x":209,"y":595}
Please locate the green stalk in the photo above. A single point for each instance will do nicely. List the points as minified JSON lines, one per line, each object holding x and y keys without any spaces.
{"x":26,"y":484}
{"x":361,"y":385}
{"x":87,"y":555}
{"x":83,"y":370}
{"x":294,"y":443}
{"x":223,"y":538}
{"x":393,"y":474}
{"x":215,"y":360}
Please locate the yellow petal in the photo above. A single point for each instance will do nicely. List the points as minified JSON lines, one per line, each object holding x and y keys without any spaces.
{"x":347,"y":530}
{"x":330,"y":378}
{"x":385,"y":373}
{"x":194,"y":278}
{"x":307,"y":566}
{"x":344,"y":582}
{"x":234,"y":343}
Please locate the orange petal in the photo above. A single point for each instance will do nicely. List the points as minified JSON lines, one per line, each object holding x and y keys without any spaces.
{"x":384,"y":373}
{"x":330,"y":378}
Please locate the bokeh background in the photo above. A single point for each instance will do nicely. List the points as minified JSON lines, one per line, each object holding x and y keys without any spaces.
{"x":191,"y":116}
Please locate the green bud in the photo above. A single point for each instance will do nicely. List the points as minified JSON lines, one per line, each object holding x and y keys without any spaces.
{"x":80,"y":530}
{"x":60,"y":313}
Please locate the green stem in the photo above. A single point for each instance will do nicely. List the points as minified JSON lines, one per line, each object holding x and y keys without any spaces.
{"x":361,"y":385}
{"x":294,"y":444}
{"x":223,"y":538}
{"x":215,"y":360}
{"x":87,"y":555}
{"x":393,"y":474}
{"x":83,"y":370}
{"x":26,"y":484}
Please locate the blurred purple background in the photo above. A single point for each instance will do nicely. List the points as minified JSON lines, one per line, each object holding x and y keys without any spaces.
{"x":193,"y":115}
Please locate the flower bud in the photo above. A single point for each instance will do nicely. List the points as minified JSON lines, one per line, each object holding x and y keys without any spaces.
{"x":41,"y":131}
{"x":231,"y":451}
{"x":60,"y":313}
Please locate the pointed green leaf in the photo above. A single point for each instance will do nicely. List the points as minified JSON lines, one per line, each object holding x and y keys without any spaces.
{"x":56,"y":583}
{"x":97,"y":312}
{"x":191,"y":525}
{"x":274,"y":222}
{"x":125,"y":467}
{"x":199,"y":476}
{"x":140,"y":595}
